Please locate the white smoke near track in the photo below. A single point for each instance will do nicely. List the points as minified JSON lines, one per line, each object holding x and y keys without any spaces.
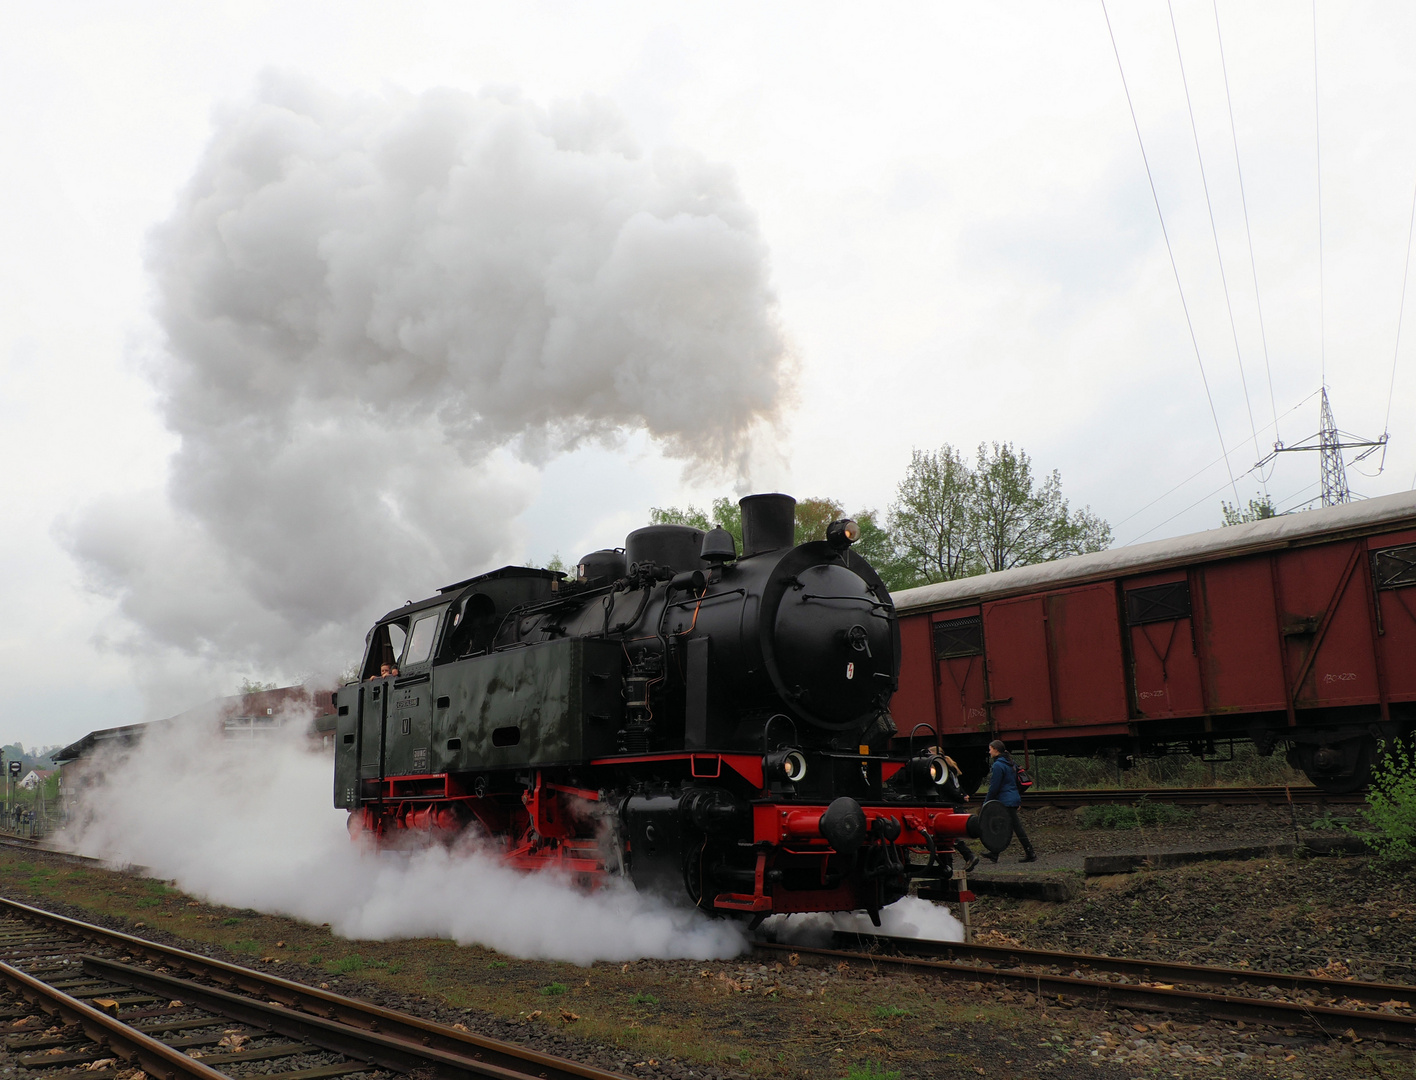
{"x":252,"y":826}
{"x":909,"y":917}
{"x":380,"y":315}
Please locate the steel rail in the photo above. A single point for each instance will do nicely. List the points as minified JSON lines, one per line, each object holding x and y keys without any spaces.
{"x":1223,"y":796}
{"x":366,"y":1044}
{"x":38,"y":847}
{"x":1329,"y":1021}
{"x":473,"y":1050}
{"x":155,"y":1058}
{"x":1372,"y":993}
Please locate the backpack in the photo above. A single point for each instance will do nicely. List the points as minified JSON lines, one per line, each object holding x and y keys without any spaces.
{"x":1025,"y":782}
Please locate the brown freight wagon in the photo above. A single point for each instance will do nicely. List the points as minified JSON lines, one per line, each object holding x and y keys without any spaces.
{"x":1296,"y":631}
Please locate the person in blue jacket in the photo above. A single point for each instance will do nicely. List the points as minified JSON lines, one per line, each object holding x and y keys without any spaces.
{"x":1003,"y":786}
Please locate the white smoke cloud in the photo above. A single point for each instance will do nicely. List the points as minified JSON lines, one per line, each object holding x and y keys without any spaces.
{"x":253,"y":826}
{"x":908,"y":917}
{"x":380,"y":314}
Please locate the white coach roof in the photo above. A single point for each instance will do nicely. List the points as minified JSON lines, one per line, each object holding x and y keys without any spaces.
{"x":1255,"y":536}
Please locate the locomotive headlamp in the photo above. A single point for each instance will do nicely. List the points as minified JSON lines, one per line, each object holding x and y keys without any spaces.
{"x":842,"y":534}
{"x":928,"y":769}
{"x":788,"y":765}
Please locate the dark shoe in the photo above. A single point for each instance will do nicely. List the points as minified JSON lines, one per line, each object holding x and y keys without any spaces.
{"x":968,"y":867}
{"x":992,"y":857}
{"x":1031,"y":856}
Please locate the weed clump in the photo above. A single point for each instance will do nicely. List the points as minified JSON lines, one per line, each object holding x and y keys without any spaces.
{"x":872,"y":1071}
{"x":1391,"y":805}
{"x":1140,"y":814}
{"x":891,"y":1012}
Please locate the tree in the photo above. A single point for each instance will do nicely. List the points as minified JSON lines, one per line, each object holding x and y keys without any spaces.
{"x":1017,"y":522}
{"x":723,"y":513}
{"x":1257,"y":510}
{"x":930,"y":519}
{"x":951,"y":520}
{"x":812,"y":517}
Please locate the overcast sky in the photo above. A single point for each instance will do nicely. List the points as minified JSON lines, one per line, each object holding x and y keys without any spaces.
{"x":868,"y":230}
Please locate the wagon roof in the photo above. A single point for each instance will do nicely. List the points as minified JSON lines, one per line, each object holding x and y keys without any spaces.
{"x":1269,"y":534}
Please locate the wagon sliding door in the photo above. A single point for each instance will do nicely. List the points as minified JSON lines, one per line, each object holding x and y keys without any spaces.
{"x":956,"y":639}
{"x":1165,"y":669}
{"x":1056,"y":660}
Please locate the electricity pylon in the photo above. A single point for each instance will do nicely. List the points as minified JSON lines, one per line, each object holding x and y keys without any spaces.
{"x":1330,"y":442}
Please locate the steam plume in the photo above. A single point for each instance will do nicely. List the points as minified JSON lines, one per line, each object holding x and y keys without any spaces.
{"x":252,"y":826}
{"x":380,"y":314}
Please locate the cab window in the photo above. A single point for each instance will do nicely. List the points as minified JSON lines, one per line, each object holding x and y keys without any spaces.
{"x":420,"y":641}
{"x":385,"y":647}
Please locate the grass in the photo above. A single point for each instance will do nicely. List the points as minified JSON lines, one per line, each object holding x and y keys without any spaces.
{"x":1141,"y":814}
{"x":641,"y":998}
{"x":555,"y":989}
{"x":347,"y":965}
{"x":872,"y":1071}
{"x":1247,"y":769}
{"x":891,"y":1012}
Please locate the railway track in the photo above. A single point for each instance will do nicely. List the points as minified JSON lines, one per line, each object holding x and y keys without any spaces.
{"x":1326,"y":1007}
{"x":38,"y":847}
{"x":1204,"y":796}
{"x":87,"y":1003}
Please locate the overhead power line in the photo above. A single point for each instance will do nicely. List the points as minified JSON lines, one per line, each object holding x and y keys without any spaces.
{"x":1244,"y":202}
{"x":1400,"y":311}
{"x":1318,"y":144}
{"x":1174,"y":268}
{"x":1214,"y":231}
{"x":1206,"y":468}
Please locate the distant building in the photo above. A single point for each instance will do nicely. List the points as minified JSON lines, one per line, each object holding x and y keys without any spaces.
{"x":35,"y":777}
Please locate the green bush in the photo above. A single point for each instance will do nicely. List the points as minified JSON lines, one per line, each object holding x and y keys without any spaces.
{"x":347,"y":965}
{"x":1142,"y":813}
{"x":1391,"y":805}
{"x":555,"y":989}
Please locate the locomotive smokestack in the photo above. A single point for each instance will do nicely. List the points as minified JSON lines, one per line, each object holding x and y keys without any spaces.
{"x":768,"y":523}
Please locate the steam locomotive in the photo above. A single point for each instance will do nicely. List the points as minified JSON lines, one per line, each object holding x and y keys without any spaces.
{"x":713,"y":725}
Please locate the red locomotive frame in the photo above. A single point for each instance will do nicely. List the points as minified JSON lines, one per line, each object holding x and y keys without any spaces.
{"x":1298,"y":630}
{"x":542,"y":829}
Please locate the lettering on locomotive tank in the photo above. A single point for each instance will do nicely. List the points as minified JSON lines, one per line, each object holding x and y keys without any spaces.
{"x":420,"y":759}
{"x":406,"y":703}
